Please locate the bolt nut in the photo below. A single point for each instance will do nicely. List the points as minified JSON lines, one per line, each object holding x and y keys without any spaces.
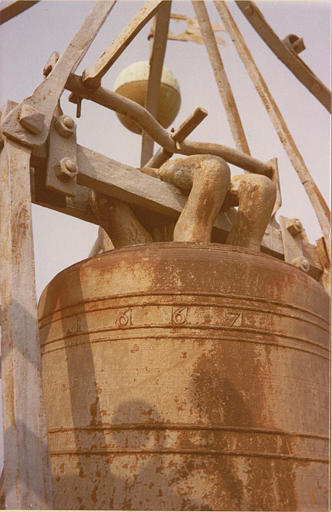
{"x":31,"y":119}
{"x":65,"y":126}
{"x":295,"y":227}
{"x":53,"y":59}
{"x":68,"y":122}
{"x":302,"y":263}
{"x":294,"y":43}
{"x":66,"y":170}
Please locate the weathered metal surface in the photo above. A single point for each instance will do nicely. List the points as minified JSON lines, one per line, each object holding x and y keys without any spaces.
{"x":276,"y":180}
{"x":179,"y":135}
{"x":50,"y":64}
{"x":62,"y":169}
{"x":318,"y":202}
{"x":291,"y":231}
{"x":27,"y":478}
{"x":299,"y":68}
{"x":113,"y":101}
{"x":15,"y":8}
{"x":324,"y":258}
{"x":128,"y":184}
{"x":256,"y":197}
{"x":208,"y":179}
{"x":294,"y":43}
{"x":102,"y":244}
{"x":221,"y":77}
{"x":118,"y":221}
{"x":157,"y":55}
{"x":45,"y":97}
{"x":133,"y":83}
{"x":186,"y":377}
{"x":192,"y":31}
{"x":92,"y":75}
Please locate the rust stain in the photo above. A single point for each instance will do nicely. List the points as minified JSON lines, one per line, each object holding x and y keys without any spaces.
{"x":95,"y":412}
{"x":94,"y":494}
{"x":183,"y":417}
{"x":20,"y":227}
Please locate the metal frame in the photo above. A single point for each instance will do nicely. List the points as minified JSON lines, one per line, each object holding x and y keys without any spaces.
{"x":42,"y":163}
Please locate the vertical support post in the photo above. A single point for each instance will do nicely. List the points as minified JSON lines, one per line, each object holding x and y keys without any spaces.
{"x":223,"y":84}
{"x":319,"y":205}
{"x":161,"y":24}
{"x":27,"y":476}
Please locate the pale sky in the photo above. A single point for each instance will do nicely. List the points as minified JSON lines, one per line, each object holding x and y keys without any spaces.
{"x":28,"y":40}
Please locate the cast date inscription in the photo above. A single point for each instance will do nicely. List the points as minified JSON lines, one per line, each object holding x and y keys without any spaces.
{"x":179,"y":316}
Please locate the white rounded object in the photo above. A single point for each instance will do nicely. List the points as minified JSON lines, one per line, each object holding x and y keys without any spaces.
{"x":132,"y":83}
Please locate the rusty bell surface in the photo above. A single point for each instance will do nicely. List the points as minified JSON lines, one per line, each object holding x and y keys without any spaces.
{"x":186,"y":377}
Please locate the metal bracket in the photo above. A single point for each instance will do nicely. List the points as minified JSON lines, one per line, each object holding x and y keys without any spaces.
{"x":62,"y":169}
{"x":30,"y":121}
{"x":323,"y":255}
{"x":292,"y":233}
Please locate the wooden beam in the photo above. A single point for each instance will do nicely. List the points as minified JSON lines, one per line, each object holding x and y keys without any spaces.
{"x":43,"y":101}
{"x":127,"y":183}
{"x":15,"y":8}
{"x":92,"y":75}
{"x":156,"y":66}
{"x":320,"y":207}
{"x":223,"y":84}
{"x":119,"y":103}
{"x":130,"y":185}
{"x":299,"y":68}
{"x":27,"y":475}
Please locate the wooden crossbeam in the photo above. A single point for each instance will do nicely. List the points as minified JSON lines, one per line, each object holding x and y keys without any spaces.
{"x":156,"y":66}
{"x":220,"y":74}
{"x":320,"y":207}
{"x":130,"y":185}
{"x":302,"y":72}
{"x":93,"y":75}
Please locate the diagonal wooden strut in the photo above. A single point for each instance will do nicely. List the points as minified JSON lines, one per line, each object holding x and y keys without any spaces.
{"x":15,"y":8}
{"x":320,"y":207}
{"x":156,"y":67}
{"x":302,"y":72}
{"x":223,"y":84}
{"x":92,"y":75}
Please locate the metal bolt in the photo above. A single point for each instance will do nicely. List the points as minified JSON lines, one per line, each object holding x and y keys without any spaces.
{"x":294,"y":43}
{"x":66,"y":170}
{"x":52,"y":60}
{"x":65,"y":126}
{"x":68,"y":122}
{"x":31,"y":119}
{"x":302,"y":263}
{"x":295,"y":227}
